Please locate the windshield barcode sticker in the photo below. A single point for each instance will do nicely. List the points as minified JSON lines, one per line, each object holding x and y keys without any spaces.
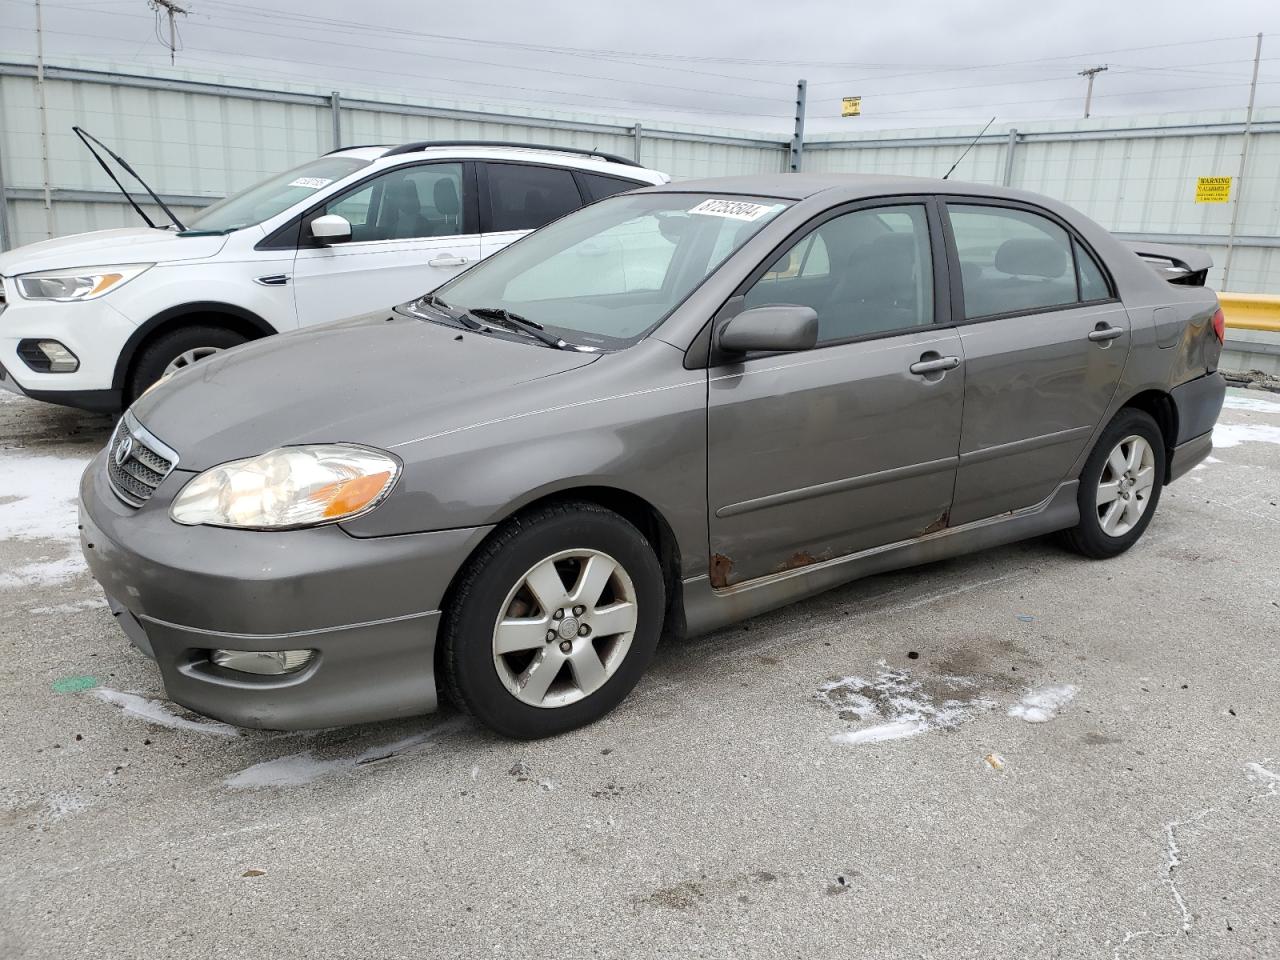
{"x":733,"y":209}
{"x":315,"y":183}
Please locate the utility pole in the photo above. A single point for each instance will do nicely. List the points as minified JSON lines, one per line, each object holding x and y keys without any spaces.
{"x":172,"y":9}
{"x":44,"y":121}
{"x":1088,"y":96}
{"x":797,"y":138}
{"x":1244,"y":155}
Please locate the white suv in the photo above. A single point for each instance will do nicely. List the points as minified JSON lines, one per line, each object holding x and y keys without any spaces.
{"x":92,"y":320}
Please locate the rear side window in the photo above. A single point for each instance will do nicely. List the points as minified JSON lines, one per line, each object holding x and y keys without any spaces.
{"x":599,"y":186}
{"x":526,"y":197}
{"x":1011,"y":260}
{"x":1093,"y":282}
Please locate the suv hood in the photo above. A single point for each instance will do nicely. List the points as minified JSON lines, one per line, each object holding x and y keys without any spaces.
{"x":126,"y":245}
{"x":378,"y":380}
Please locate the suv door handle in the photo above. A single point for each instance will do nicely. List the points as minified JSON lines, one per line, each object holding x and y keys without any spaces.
{"x":935,"y":365}
{"x":447,"y":262}
{"x":1102,"y":334}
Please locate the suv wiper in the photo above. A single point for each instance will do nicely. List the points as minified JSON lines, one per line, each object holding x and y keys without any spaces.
{"x":431,"y":300}
{"x":514,"y":320}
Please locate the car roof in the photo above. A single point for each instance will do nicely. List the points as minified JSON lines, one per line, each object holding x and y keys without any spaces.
{"x":569,"y":157}
{"x":841,"y":186}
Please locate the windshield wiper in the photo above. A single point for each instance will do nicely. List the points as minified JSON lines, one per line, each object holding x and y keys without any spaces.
{"x":431,"y":300}
{"x":85,"y":137}
{"x":524,"y":325}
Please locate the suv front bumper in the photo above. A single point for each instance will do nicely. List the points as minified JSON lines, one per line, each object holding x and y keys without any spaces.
{"x":369,"y":608}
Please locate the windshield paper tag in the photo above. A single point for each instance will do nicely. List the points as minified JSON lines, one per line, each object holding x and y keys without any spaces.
{"x":732,"y":209}
{"x":315,"y":183}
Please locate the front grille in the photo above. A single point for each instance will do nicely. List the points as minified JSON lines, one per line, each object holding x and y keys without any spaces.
{"x":134,"y":471}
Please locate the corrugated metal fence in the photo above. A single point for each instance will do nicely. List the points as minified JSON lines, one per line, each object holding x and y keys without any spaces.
{"x":196,"y":141}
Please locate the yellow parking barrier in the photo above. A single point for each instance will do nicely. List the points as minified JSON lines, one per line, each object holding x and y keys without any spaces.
{"x":1251,"y":311}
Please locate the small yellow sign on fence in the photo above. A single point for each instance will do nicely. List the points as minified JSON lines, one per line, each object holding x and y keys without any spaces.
{"x":1213,"y":189}
{"x":851,"y":107}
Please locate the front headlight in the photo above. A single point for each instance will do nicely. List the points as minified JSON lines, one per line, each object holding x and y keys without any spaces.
{"x":288,"y":488}
{"x":85,"y":283}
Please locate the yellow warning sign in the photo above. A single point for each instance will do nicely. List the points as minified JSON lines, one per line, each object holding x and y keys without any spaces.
{"x":851,"y":107}
{"x":1213,"y":189}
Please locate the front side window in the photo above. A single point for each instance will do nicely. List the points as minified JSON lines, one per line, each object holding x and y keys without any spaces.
{"x":523,"y":197}
{"x":611,"y":272}
{"x":865,"y":272}
{"x":404,"y":204}
{"x":1011,"y":260}
{"x":272,"y":196}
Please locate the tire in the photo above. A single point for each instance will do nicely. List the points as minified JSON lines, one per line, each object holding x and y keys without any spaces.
{"x":156,"y":357}
{"x":1109,"y":527}
{"x":549,"y":686}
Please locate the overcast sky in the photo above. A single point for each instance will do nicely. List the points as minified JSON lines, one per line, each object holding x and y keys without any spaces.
{"x":729,"y":64}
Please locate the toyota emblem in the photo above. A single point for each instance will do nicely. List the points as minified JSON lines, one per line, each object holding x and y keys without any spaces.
{"x":123,"y":451}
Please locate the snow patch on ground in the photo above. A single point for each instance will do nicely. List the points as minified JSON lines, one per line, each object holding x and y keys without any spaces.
{"x":1255,"y":404}
{"x":299,"y":769}
{"x":63,"y":804}
{"x":1233,"y":434}
{"x":43,"y":573}
{"x":1042,"y":704}
{"x":900,"y":705}
{"x":38,"y":496}
{"x":77,"y":606}
{"x":157,"y":712}
{"x":1265,"y":777}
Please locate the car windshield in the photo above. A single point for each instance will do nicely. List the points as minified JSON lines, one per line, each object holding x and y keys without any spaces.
{"x":608,"y":274}
{"x":264,"y":200}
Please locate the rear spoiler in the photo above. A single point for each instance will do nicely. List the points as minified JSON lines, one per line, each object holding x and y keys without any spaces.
{"x":1177,"y":264}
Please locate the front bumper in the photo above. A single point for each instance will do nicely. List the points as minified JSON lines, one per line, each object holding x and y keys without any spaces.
{"x":369,"y":607}
{"x":95,"y":331}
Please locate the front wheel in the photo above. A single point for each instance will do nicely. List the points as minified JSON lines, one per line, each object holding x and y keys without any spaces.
{"x":553,"y":622}
{"x":1119,"y":486}
{"x":177,"y":350}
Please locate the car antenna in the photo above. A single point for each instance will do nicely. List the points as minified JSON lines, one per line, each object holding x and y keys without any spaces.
{"x":85,"y":137}
{"x":968,"y":148}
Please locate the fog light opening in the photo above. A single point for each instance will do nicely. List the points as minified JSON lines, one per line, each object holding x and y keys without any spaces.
{"x":262,"y":662}
{"x":48,"y":356}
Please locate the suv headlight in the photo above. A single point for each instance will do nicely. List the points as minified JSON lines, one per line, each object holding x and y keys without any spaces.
{"x":292,"y":487}
{"x":85,"y":283}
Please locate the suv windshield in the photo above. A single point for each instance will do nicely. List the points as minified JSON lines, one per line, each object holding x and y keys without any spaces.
{"x":608,"y":274}
{"x":271,"y":196}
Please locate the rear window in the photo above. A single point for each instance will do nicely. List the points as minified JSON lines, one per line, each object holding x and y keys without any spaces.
{"x":523,"y":197}
{"x":599,"y":186}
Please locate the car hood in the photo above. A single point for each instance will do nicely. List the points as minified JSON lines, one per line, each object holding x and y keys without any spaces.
{"x":377,"y":380}
{"x":103,"y":247}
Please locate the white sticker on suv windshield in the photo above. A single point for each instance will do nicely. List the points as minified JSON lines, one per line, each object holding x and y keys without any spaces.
{"x":315,"y":183}
{"x":732,"y":209}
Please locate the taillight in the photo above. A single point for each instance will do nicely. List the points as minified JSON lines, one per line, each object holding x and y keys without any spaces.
{"x":1220,"y":325}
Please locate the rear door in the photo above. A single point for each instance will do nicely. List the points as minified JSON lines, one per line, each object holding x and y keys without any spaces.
{"x":821,"y":453}
{"x":1045,"y":341}
{"x":412,"y":228}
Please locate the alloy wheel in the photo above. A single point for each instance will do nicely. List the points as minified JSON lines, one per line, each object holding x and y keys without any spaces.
{"x":565,"y":628}
{"x":1124,"y":489}
{"x":188,"y":357}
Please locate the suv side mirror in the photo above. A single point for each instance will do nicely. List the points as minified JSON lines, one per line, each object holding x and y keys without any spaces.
{"x":770,"y":329}
{"x":331,"y":228}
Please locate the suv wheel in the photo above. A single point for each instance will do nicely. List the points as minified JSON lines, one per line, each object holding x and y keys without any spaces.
{"x":1119,"y":486}
{"x":176,"y":350}
{"x":553,"y":622}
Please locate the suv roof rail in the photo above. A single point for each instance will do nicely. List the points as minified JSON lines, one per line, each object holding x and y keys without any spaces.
{"x":425,"y":144}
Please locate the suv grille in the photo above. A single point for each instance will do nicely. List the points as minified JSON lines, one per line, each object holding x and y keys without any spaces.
{"x":137,"y":462}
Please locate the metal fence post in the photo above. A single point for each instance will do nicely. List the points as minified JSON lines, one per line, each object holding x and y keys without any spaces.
{"x":636,"y":133}
{"x":797,"y":139}
{"x":335,"y":109}
{"x":1008,"y":156}
{"x":1244,"y":157}
{"x":5,"y":240}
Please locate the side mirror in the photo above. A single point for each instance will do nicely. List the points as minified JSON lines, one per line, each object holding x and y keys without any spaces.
{"x":331,"y":228}
{"x":769,"y":329}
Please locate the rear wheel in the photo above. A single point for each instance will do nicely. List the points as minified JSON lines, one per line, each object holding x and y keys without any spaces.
{"x":553,"y":622}
{"x":177,"y":350}
{"x":1119,"y":486}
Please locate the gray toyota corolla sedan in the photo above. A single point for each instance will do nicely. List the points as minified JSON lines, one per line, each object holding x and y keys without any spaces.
{"x":671,"y":410}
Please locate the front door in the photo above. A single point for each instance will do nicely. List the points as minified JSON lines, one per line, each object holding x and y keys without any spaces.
{"x":822,"y":453}
{"x":412,"y":228}
{"x":1045,"y":342}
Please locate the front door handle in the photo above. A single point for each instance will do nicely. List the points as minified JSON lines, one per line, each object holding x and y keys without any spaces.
{"x":448,"y":261}
{"x":1102,"y":334}
{"x":935,"y":365}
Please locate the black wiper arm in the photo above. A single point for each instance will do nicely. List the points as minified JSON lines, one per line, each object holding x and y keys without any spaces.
{"x":85,"y":137}
{"x":532,"y":328}
{"x":432,"y":300}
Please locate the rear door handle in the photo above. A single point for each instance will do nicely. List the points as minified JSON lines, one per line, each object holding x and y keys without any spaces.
{"x":448,"y":262}
{"x":1103,"y":334}
{"x":935,"y":366}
